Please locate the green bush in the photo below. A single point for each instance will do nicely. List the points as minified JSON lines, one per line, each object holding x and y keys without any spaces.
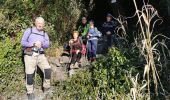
{"x":11,"y":66}
{"x":78,"y":87}
{"x":61,"y":16}
{"x":111,"y":74}
{"x":108,"y":78}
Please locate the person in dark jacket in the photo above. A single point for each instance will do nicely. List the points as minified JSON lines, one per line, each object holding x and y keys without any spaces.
{"x":108,"y":29}
{"x":76,"y":48}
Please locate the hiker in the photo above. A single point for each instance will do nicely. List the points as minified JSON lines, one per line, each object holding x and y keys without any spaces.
{"x":76,"y":48}
{"x":34,"y":41}
{"x":108,"y":29}
{"x":83,"y":30}
{"x":93,"y":35}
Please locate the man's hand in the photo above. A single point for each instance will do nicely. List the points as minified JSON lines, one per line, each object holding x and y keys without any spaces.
{"x":108,"y":33}
{"x":38,"y":44}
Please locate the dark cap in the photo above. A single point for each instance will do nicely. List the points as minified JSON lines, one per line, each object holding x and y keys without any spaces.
{"x":91,"y":21}
{"x":109,"y":15}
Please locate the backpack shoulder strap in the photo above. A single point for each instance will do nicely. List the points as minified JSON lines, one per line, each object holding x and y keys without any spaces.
{"x":44,"y":33}
{"x":29,"y":34}
{"x":34,"y":33}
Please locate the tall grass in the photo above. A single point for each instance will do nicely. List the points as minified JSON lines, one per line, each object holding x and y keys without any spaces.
{"x":147,"y":18}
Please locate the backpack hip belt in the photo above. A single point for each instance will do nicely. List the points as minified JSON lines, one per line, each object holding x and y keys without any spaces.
{"x":29,"y":51}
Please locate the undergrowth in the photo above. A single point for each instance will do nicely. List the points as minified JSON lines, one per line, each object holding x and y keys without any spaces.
{"x":111,"y":77}
{"x":11,"y":67}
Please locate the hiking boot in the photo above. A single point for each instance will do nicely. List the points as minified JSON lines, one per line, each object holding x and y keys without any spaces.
{"x":76,"y":65}
{"x":72,"y":66}
{"x":46,"y":90}
{"x":71,"y":72}
{"x":89,"y":59}
{"x":79,"y":65}
{"x":93,"y":59}
{"x":31,"y":96}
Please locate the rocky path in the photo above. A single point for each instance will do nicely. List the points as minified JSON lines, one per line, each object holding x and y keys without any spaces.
{"x":59,"y":73}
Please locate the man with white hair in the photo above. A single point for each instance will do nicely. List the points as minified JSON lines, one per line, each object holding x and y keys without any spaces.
{"x":34,"y":41}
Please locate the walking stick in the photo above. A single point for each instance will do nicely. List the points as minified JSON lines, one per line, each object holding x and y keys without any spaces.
{"x":68,"y":65}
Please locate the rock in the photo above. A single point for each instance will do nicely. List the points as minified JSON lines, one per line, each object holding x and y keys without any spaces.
{"x":64,"y":59}
{"x":58,"y":73}
{"x":84,"y":61}
{"x":1,"y":97}
{"x":54,"y":61}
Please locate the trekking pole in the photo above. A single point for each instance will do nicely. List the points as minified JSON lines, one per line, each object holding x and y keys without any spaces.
{"x":36,"y":68}
{"x":71,"y":48}
{"x":35,"y":73}
{"x":69,"y":63}
{"x":86,"y":50}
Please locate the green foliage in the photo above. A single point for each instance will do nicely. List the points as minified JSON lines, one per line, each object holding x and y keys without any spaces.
{"x":112,"y":74}
{"x":108,"y":78}
{"x":11,"y":66}
{"x":78,"y":87}
{"x":61,"y":16}
{"x":64,"y":14}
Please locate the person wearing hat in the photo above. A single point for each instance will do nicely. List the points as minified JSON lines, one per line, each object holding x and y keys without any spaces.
{"x":93,"y":35}
{"x":108,"y":29}
{"x":34,"y":41}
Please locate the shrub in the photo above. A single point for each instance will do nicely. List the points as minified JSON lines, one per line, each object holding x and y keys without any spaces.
{"x":108,"y":78}
{"x":111,"y":75}
{"x":11,"y":66}
{"x":78,"y":87}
